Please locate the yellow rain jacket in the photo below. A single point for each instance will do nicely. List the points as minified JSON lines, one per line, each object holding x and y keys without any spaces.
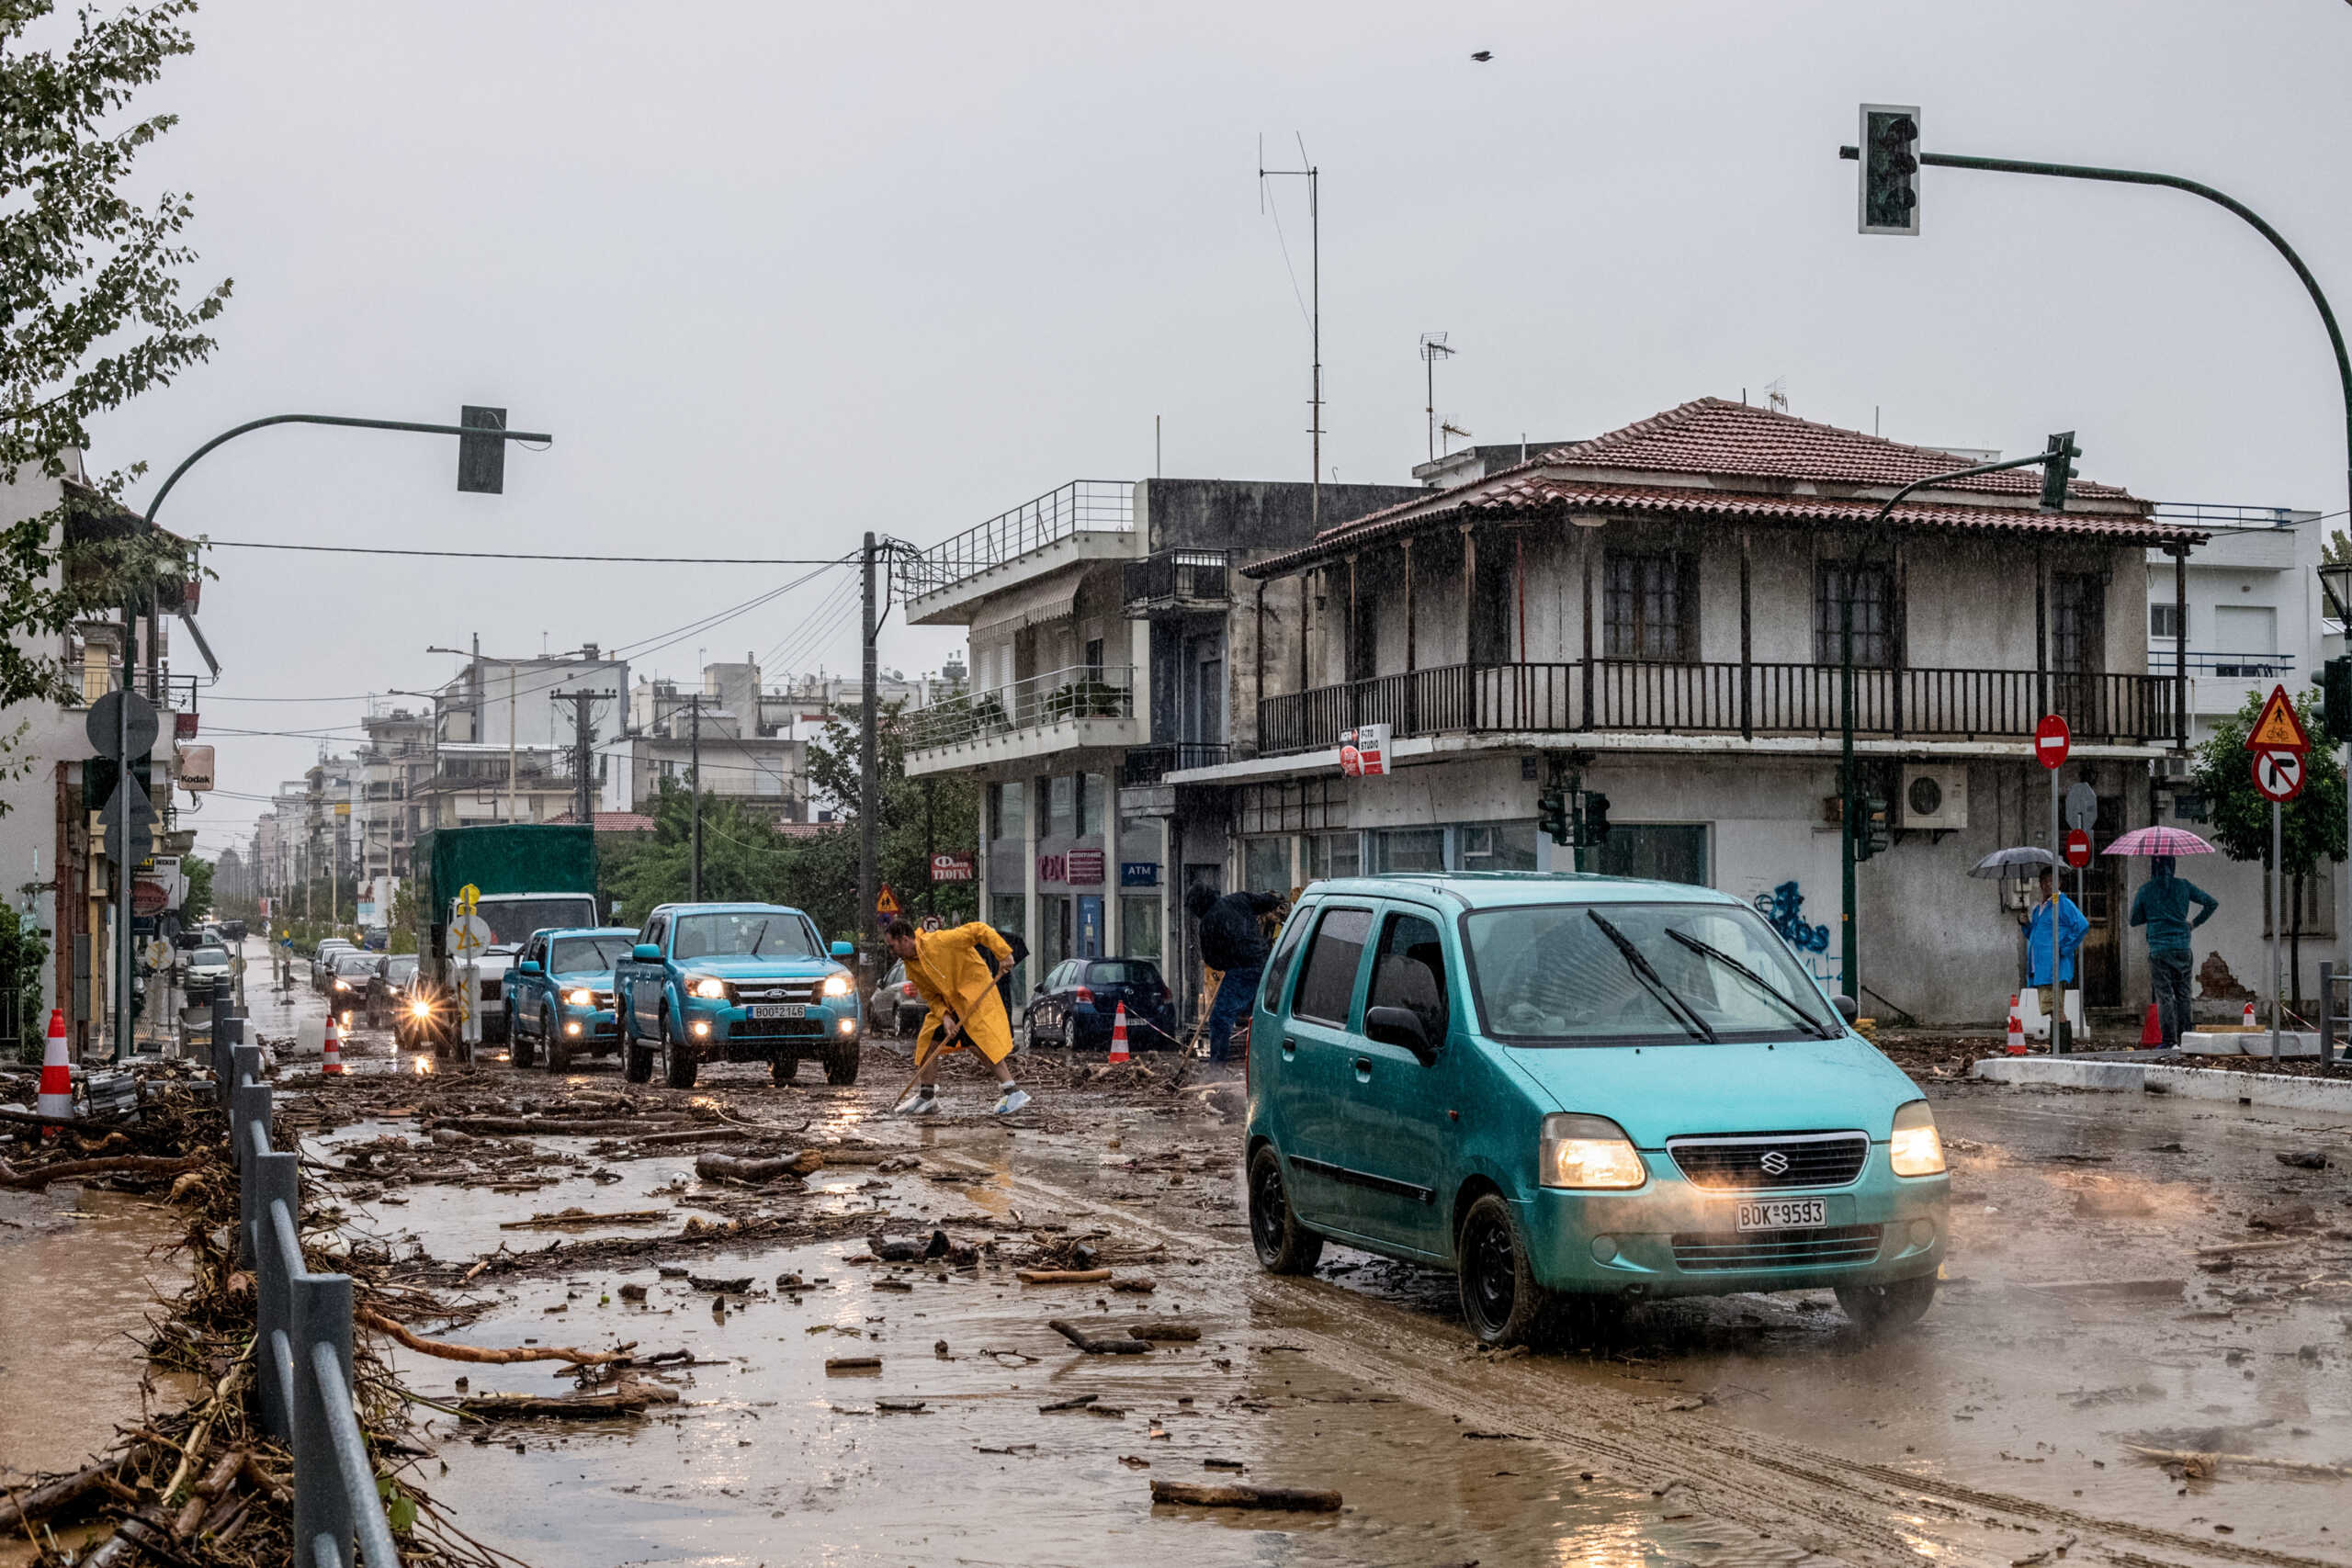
{"x":955,"y":971}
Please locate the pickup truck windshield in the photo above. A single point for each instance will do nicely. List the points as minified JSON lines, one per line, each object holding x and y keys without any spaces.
{"x":743,"y":934}
{"x":1550,"y":976}
{"x":572,"y":954}
{"x":512,"y":921}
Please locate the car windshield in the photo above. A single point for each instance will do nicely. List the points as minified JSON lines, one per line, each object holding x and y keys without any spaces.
{"x":1555,"y":975}
{"x":744,"y":933}
{"x":399,"y":970}
{"x":573,"y":954}
{"x":512,"y":922}
{"x":210,"y":958}
{"x":1122,"y":972}
{"x":355,"y":963}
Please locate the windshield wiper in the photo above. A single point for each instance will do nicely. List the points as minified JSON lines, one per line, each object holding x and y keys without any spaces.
{"x":758,"y":937}
{"x":1812,"y":1025}
{"x":1646,"y":972}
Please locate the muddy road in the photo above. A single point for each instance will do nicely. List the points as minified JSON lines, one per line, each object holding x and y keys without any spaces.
{"x":2007,"y":1427}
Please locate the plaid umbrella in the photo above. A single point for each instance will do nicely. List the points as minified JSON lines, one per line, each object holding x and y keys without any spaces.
{"x":2159,"y":841}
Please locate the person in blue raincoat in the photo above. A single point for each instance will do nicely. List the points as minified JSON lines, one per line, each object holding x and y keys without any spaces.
{"x":2071,"y":924}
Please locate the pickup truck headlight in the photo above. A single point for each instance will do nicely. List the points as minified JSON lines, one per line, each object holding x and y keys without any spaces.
{"x":1915,"y":1149}
{"x":709,"y":987}
{"x":838,"y":985}
{"x":1590,"y":1153}
{"x":581,"y":996}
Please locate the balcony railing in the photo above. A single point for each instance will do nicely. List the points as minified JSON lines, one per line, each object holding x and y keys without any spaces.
{"x":1149,"y":765}
{"x":1734,"y":699}
{"x":1179,"y":578}
{"x":1082,"y":506}
{"x":1086,"y":691}
{"x":173,"y":693}
{"x":2240,"y":666}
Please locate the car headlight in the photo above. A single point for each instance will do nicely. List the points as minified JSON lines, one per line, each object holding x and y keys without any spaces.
{"x":1590,"y":1153}
{"x":342,"y":985}
{"x":707,"y":986}
{"x":1915,"y":1149}
{"x":419,"y":1010}
{"x":581,"y":997}
{"x":837,"y":984}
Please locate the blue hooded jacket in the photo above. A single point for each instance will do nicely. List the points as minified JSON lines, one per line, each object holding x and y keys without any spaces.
{"x":2071,"y":924}
{"x":2162,"y":904}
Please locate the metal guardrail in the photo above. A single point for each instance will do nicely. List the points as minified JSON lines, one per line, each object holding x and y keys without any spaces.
{"x":302,"y":1337}
{"x":1082,"y":506}
{"x":2335,"y":1014}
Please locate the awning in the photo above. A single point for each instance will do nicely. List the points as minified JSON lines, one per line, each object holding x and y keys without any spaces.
{"x":1032,"y":605}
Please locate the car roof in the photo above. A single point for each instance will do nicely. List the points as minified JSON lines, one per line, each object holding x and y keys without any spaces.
{"x":552,"y":932}
{"x":1513,"y":889}
{"x":720,"y":909}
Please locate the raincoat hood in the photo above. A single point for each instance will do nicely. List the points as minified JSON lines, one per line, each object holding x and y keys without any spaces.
{"x":2160,"y":867}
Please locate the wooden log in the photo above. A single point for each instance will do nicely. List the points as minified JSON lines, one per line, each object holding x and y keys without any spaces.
{"x":546,"y":1126}
{"x":852,"y":1364}
{"x":570,"y":1217}
{"x":1188,"y":1495}
{"x":41,"y":1176}
{"x":736,"y":1168}
{"x":24,"y":1507}
{"x":1162,"y":1329}
{"x":1061,"y":1276}
{"x":1094,"y":1346}
{"x":2187,"y":1456}
{"x":449,"y":1352}
{"x":628,"y":1399}
{"x":697,"y":1135}
{"x":2233,"y":1249}
{"x":1077,"y":1403}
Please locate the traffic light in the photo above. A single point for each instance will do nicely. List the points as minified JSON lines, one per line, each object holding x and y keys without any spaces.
{"x":1552,"y":813}
{"x":1596,"y":818}
{"x":2057,"y":469}
{"x":1871,"y":826}
{"x":482,"y":459}
{"x":2335,"y":698}
{"x":1890,"y":159}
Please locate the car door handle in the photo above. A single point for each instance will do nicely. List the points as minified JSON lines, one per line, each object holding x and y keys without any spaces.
{"x":1364,"y":1069}
{"x":1290,"y":1047}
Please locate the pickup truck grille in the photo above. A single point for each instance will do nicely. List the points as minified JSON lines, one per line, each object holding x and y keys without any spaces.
{"x":1757,"y":1162}
{"x":774,"y":991}
{"x":1700,"y":1252}
{"x":775,"y":1028}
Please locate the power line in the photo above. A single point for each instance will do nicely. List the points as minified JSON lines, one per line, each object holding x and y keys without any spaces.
{"x":525,"y":554}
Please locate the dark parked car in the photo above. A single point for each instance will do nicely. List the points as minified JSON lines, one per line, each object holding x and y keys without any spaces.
{"x":420,"y":1011}
{"x":895,"y":1006}
{"x":385,"y":986}
{"x":1078,"y":999}
{"x":353,"y":972}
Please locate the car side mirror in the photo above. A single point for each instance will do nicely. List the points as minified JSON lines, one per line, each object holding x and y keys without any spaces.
{"x":1401,"y":1027}
{"x":1847,"y":1008}
{"x":528,"y":966}
{"x":844,"y":950}
{"x":646,"y":952}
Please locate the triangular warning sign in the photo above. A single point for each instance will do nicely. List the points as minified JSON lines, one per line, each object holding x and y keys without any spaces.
{"x":885,"y":903}
{"x":2279,"y":729}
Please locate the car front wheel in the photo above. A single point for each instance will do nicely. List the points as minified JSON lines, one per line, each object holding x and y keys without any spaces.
{"x":559,"y":1050}
{"x":1284,"y":1246}
{"x":519,"y":1051}
{"x":678,"y":1063}
{"x":1882,"y":1309}
{"x":1502,"y":1300}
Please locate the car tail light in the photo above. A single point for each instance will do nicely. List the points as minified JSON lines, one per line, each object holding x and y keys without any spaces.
{"x":907,"y":990}
{"x":1083,"y":994}
{"x":1166,"y":994}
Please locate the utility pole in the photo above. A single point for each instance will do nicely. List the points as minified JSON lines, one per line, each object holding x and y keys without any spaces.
{"x":693,"y":779}
{"x":1313,"y":177}
{"x":930,"y":848}
{"x":584,"y":739}
{"x":868,"y":769}
{"x":509,"y":737}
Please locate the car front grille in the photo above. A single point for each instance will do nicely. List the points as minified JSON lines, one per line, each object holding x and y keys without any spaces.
{"x":774,"y":991}
{"x":1753,"y":1162}
{"x":773,"y":1028}
{"x":1703,"y":1252}
{"x":604,"y":999}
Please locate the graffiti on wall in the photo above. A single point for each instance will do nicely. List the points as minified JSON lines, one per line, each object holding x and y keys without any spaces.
{"x":1783,"y":909}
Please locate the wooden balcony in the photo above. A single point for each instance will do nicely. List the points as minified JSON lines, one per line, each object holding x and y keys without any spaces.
{"x":1746,"y":700}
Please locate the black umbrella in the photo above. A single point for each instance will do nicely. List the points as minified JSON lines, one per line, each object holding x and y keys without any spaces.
{"x":1999,"y":864}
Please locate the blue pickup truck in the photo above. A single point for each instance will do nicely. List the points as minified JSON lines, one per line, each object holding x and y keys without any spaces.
{"x":560,"y":995}
{"x":735,"y":983}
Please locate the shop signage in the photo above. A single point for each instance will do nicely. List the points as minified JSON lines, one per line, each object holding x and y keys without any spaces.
{"x":149,"y":897}
{"x":1086,"y":868}
{"x":1363,"y":751}
{"x":195,"y":768}
{"x":1138,"y":873}
{"x":951,"y":868}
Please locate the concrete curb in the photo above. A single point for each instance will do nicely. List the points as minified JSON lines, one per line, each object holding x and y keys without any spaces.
{"x":2190,"y":1083}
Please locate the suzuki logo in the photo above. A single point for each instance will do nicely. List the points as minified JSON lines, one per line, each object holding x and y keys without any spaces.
{"x":1775,"y":1163}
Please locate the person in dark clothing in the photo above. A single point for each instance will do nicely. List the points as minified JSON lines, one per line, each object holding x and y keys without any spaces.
{"x":1231,"y":942}
{"x":2161,"y":906}
{"x":1004,"y":981}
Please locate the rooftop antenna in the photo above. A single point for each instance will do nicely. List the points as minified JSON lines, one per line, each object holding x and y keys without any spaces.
{"x":1776,"y":394}
{"x":1433,"y":348}
{"x":1313,"y":176}
{"x":1450,"y":428}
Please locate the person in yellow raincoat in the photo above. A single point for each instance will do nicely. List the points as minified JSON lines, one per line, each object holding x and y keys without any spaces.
{"x":956,"y":972}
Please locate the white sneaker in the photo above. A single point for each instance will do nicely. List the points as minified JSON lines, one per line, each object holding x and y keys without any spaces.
{"x":1010,"y":1100}
{"x":919,"y":1105}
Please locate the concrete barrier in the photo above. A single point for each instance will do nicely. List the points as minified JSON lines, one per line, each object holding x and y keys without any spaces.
{"x":2190,"y":1083}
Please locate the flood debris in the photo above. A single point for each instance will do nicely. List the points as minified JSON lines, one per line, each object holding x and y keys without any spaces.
{"x":565,"y":1219}
{"x":1062,"y":1275}
{"x":1163,"y":1328}
{"x":629,"y":1398}
{"x":1120,"y":1344}
{"x":2109,"y":1289}
{"x":2303,"y":1159}
{"x":740,"y":1168}
{"x":738,"y":1285}
{"x":448,"y":1351}
{"x":853,"y":1364}
{"x":1077,"y":1403}
{"x":1291,"y":1499}
{"x":2201,"y":1465}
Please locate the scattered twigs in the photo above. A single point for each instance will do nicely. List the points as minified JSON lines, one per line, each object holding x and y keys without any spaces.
{"x":1102,"y":1345}
{"x":451,"y":1352}
{"x":570,"y":1218}
{"x":20,"y":1508}
{"x":2209,"y":1462}
{"x":38,"y":1176}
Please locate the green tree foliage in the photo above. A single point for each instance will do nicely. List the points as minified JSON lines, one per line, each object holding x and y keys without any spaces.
{"x":91,"y":309}
{"x":742,"y":858}
{"x":198,"y":904}
{"x":2310,"y":825}
{"x":938,"y":814}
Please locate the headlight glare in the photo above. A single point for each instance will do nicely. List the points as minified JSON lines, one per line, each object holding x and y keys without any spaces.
{"x":419,"y":1010}
{"x":1915,"y":1149}
{"x":1588,"y":1153}
{"x":580,"y":996}
{"x":837,"y":984}
{"x":709,"y":987}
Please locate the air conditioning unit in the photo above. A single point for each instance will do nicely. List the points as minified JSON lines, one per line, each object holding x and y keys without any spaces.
{"x":2176,"y":767}
{"x":1934,"y":797}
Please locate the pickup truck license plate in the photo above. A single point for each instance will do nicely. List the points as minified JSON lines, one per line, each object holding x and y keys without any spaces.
{"x":800,"y":1009}
{"x":1785,"y":1215}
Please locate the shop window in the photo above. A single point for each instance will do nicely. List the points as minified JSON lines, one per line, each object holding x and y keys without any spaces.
{"x":1333,"y":854}
{"x":1654,"y":851}
{"x":1093,"y":796}
{"x":1495,"y":846}
{"x":1265,"y":865}
{"x":1139,"y":926}
{"x":1408,"y":849}
{"x":1008,"y":912}
{"x":1060,"y":806}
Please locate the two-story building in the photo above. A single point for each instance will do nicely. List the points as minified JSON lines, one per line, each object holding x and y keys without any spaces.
{"x":1659,"y":609}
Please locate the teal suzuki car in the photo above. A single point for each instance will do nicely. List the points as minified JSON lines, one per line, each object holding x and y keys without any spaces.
{"x":1574,"y":1090}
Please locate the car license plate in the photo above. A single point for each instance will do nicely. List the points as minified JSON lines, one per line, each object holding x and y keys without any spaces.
{"x":784,"y":1010}
{"x":1786,"y":1214}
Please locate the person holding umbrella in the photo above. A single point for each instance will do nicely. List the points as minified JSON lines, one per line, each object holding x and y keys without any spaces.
{"x":2071,"y":925}
{"x":2160,"y":907}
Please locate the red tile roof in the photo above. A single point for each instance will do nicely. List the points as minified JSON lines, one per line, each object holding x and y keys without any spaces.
{"x":615,"y":822}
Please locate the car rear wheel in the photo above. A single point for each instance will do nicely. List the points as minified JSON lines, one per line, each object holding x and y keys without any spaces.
{"x":1502,"y":1300}
{"x":557,"y":1049}
{"x":678,"y":1065}
{"x":841,"y":1063}
{"x":1880,"y":1309}
{"x":1284,"y":1247}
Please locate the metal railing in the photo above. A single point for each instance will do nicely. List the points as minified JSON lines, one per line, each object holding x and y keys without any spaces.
{"x":1720,"y":699}
{"x":172,"y":694}
{"x":1082,"y":506}
{"x":1149,"y":765}
{"x":1177,"y":577}
{"x":302,"y":1339}
{"x":1085,"y":691}
{"x":2249,"y":666}
{"x":2230,"y":515}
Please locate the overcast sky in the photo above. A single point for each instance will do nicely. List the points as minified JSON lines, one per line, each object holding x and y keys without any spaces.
{"x":775,"y":275}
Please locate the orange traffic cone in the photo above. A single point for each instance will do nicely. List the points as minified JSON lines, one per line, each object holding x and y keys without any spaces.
{"x":2250,"y":1023}
{"x":56,"y":1074}
{"x":2152,"y":1030}
{"x":1119,"y":1034}
{"x":2017,"y":1030}
{"x":330,"y":1052}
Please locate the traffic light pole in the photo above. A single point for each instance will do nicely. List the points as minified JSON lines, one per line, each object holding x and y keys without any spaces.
{"x":1849,"y":961}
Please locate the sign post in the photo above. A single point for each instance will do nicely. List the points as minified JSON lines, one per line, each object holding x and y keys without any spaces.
{"x":2280,"y":744}
{"x":2052,"y":742}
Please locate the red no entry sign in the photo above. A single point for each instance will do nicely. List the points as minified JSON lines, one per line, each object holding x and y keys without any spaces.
{"x":2051,"y":740}
{"x":2079,"y":848}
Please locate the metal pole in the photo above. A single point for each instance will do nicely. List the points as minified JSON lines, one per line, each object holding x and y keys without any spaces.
{"x":1849,"y":968}
{"x":2277,"y":882}
{"x":694,"y":777}
{"x":2057,"y":987}
{"x":124,"y":778}
{"x":190,"y":461}
{"x":868,"y":781}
